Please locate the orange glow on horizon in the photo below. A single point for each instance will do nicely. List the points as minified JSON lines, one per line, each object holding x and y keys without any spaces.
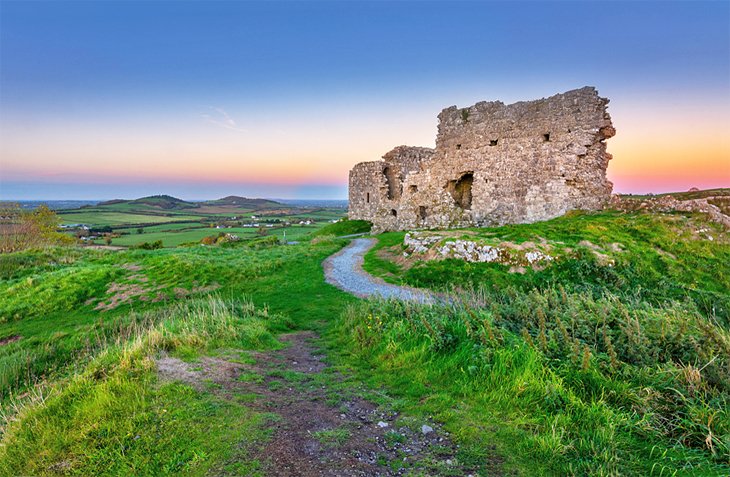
{"x":657,"y":149}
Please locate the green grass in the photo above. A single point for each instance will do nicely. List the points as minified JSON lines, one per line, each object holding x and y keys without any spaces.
{"x":587,"y":367}
{"x":171,"y":227}
{"x":49,"y":297}
{"x":657,"y":257}
{"x":562,"y":383}
{"x":94,"y":218}
{"x":96,"y":367}
{"x":345,"y":227}
{"x":174,"y":238}
{"x":114,"y":417}
{"x":332,"y":437}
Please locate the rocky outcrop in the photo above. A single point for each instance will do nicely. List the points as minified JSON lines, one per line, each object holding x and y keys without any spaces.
{"x":669,"y":203}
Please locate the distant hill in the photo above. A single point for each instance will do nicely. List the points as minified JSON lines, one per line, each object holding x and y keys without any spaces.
{"x":243,"y":202}
{"x":166,"y":202}
{"x":693,"y":193}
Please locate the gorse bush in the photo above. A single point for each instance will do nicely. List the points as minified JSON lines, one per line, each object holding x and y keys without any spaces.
{"x":602,"y":385}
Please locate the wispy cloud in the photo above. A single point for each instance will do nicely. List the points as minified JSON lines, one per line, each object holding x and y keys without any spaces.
{"x":221,"y":118}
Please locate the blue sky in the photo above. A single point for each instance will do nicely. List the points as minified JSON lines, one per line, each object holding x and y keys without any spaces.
{"x":117,"y":99}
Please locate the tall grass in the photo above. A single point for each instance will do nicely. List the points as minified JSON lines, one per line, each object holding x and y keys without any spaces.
{"x":111,"y":418}
{"x":655,"y":257}
{"x":586,"y":385}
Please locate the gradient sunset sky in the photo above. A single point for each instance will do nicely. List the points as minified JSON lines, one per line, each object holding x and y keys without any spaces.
{"x":199,"y":100}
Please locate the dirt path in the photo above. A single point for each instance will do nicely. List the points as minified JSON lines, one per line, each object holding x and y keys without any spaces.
{"x":344,"y":270}
{"x":324,"y":425}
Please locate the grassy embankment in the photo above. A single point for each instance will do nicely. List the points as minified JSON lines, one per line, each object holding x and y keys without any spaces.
{"x":85,"y":398}
{"x":612,"y":360}
{"x":570,"y":370}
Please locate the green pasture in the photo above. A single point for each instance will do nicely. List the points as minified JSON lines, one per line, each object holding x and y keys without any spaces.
{"x":102,"y":218}
{"x":173,"y":238}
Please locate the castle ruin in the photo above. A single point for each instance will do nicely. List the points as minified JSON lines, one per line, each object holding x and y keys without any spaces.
{"x":493,"y":164}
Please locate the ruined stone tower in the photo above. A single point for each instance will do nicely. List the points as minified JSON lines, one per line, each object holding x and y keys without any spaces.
{"x":493,"y":164}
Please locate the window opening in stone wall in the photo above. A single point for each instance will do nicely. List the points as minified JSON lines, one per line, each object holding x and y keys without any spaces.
{"x":460,"y":190}
{"x":458,"y":146}
{"x":493,"y":142}
{"x":395,"y":186}
{"x":422,"y":212}
{"x":367,"y":198}
{"x":394,"y":212}
{"x":546,"y":137}
{"x":413,"y":189}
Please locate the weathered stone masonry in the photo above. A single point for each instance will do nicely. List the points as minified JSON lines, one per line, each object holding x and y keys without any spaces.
{"x":493,"y":164}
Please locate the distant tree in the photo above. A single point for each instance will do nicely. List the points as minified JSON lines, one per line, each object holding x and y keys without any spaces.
{"x":108,"y":239}
{"x":262,"y":232}
{"x":140,"y":231}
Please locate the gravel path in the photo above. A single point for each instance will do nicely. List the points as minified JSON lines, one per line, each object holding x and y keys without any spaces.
{"x":344,"y":270}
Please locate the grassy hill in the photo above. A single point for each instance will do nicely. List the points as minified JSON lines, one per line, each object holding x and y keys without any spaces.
{"x":237,"y":201}
{"x":160,"y":201}
{"x":609,"y":358}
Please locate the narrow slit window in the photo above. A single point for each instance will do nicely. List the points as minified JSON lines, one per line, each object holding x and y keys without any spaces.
{"x":367,"y":197}
{"x":546,"y":137}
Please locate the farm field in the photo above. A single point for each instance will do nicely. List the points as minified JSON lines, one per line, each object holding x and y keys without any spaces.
{"x":610,"y":358}
{"x":111,"y":218}
{"x":175,"y":222}
{"x":173,"y":238}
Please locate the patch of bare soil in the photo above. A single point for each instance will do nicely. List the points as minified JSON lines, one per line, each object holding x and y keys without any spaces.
{"x":183,"y":292}
{"x":10,"y":339}
{"x":138,"y":286}
{"x":324,"y":430}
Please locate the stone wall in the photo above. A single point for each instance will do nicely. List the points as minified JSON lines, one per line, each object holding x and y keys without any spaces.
{"x":493,"y":164}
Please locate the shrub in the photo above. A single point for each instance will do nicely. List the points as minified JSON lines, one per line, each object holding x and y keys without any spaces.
{"x":21,"y":229}
{"x":264,"y":242}
{"x":157,"y":244}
